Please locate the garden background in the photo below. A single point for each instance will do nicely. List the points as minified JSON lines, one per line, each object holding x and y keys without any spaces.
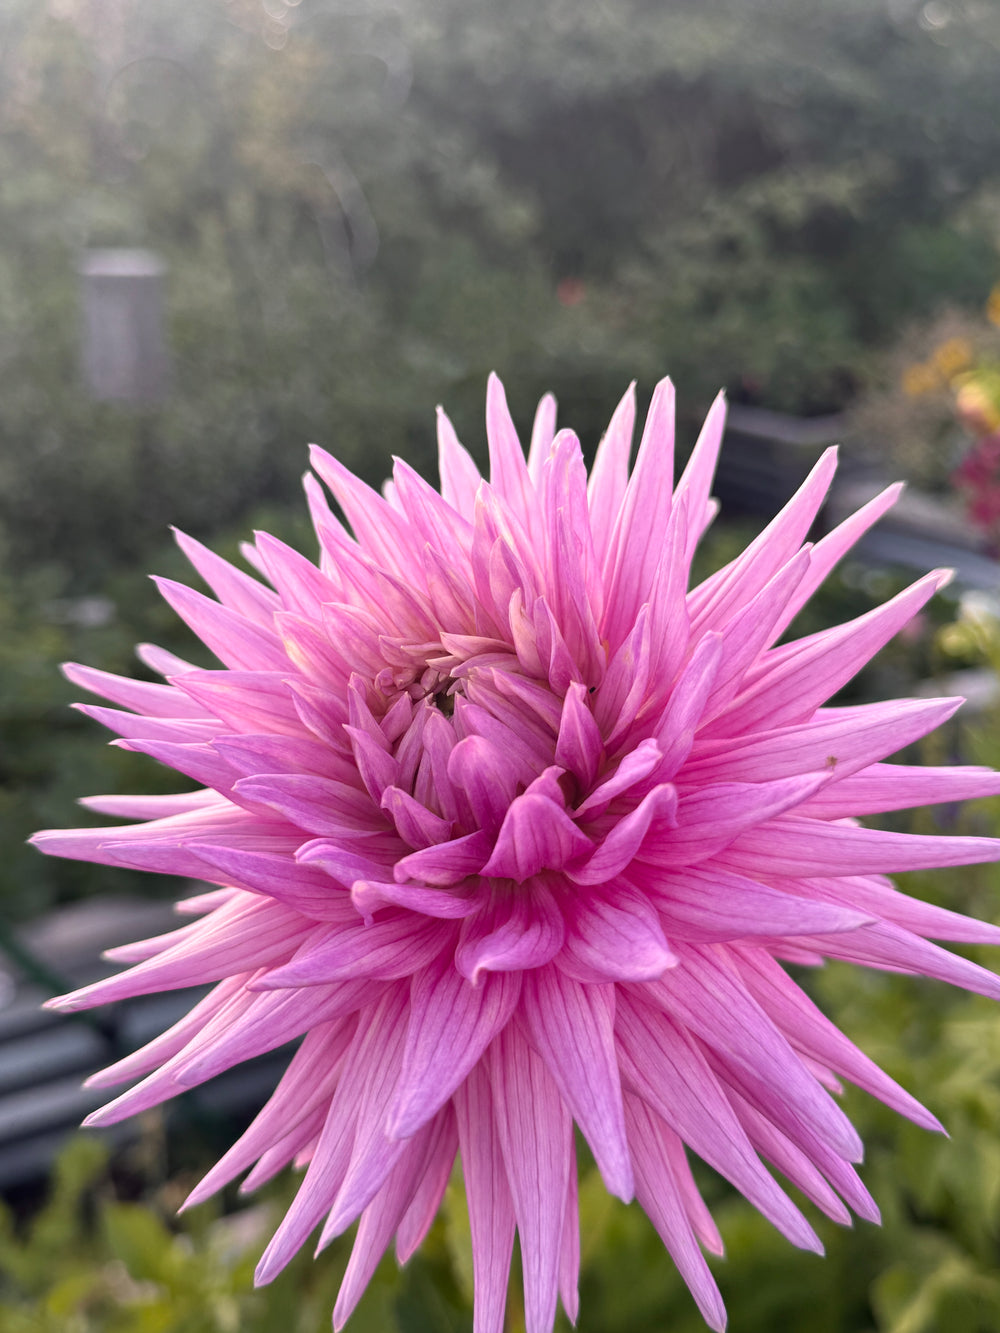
{"x":363,"y":210}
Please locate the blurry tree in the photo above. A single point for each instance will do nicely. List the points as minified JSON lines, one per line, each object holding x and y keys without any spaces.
{"x":365,"y":209}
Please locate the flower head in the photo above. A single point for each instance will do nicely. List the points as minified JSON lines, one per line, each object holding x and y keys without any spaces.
{"x":515,"y":832}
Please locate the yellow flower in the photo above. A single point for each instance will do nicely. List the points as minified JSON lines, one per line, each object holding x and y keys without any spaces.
{"x":976,"y":408}
{"x":953,"y":356}
{"x":920,"y":379}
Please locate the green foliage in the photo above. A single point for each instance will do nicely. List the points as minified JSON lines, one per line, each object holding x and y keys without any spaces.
{"x":91,"y":1263}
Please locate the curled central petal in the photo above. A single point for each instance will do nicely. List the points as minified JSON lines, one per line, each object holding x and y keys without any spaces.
{"x":514,"y":829}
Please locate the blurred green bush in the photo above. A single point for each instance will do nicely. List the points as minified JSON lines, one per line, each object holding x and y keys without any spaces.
{"x":366,"y":210}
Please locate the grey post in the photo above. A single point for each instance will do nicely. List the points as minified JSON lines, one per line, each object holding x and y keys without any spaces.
{"x":124,"y":353}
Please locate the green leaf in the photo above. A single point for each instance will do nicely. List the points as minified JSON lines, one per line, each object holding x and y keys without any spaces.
{"x":137,"y":1237}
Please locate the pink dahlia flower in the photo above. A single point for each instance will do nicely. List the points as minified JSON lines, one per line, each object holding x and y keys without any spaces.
{"x":515,"y":832}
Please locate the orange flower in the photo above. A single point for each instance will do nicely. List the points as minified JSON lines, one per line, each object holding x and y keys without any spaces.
{"x":953,"y":356}
{"x":920,"y":379}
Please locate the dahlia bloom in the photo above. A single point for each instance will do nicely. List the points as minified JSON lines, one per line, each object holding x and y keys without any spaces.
{"x":515,"y":832}
{"x":977,"y":480}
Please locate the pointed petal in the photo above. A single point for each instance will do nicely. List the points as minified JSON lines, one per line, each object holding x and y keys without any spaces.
{"x":828,"y":551}
{"x":141,"y":696}
{"x":569,"y":1255}
{"x":389,"y":948}
{"x":508,"y":467}
{"x":460,"y":478}
{"x":370,"y":1068}
{"x":609,"y":475}
{"x":882,"y":787}
{"x":705,"y":904}
{"x":704,"y":995}
{"x":542,"y":434}
{"x":719,"y":597}
{"x":379,"y":529}
{"x":660,"y":1198}
{"x":696,"y":479}
{"x":385,"y":1212}
{"x":572,"y":1027}
{"x":535,"y":1133}
{"x":634,"y":550}
{"x":661,"y":1065}
{"x":797,"y":845}
{"x":234,"y":589}
{"x":237,"y":642}
{"x":796,"y":679}
{"x":451,"y":1024}
{"x":426,"y":1201}
{"x":840,"y":739}
{"x":810,"y":1031}
{"x":491,"y":1211}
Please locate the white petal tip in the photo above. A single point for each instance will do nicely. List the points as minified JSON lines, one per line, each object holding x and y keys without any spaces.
{"x":926,"y":1120}
{"x":336,"y":1224}
{"x":624,"y":1190}
{"x":103,"y":1078}
{"x":403,"y":1124}
{"x":267,"y":1270}
{"x":194,"y":1199}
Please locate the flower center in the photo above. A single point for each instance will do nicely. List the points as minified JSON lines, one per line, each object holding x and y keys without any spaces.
{"x":443,"y":699}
